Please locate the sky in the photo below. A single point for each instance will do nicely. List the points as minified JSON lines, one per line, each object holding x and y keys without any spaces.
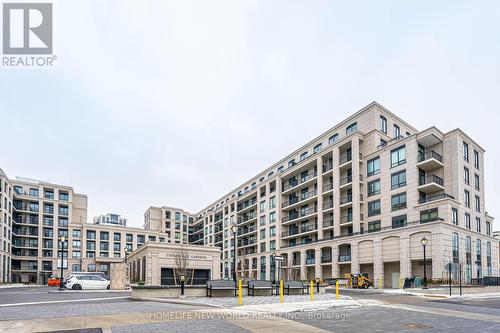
{"x":178,"y":102}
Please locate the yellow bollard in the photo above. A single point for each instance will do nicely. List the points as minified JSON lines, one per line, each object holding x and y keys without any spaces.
{"x":311,"y":290}
{"x":337,"y":289}
{"x":281,"y":291}
{"x":379,"y":283}
{"x":240,"y":293}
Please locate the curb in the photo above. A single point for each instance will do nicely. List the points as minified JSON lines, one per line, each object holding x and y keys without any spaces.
{"x":68,"y":291}
{"x":177,"y":301}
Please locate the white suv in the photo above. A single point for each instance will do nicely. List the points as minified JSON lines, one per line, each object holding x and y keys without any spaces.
{"x":79,"y":282}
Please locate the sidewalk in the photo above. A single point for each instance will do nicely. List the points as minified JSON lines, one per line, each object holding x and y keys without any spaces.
{"x":439,"y":292}
{"x":264,"y":303}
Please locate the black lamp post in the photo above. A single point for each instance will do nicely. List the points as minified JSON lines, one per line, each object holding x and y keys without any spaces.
{"x":62,"y":239}
{"x":234,"y":230}
{"x":424,"y":242}
{"x":182,"y":284}
{"x":126,"y":266}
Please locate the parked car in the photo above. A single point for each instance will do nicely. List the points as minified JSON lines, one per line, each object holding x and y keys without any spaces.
{"x":101,"y":274}
{"x":86,"y":281}
{"x":54,"y":281}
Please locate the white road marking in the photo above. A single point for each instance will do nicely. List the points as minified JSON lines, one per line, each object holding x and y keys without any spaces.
{"x":65,"y":301}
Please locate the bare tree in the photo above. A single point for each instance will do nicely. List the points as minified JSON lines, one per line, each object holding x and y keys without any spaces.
{"x":182,"y":265}
{"x":244,"y":265}
{"x":289,"y":272}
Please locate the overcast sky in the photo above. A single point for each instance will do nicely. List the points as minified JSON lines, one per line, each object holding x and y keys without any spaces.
{"x":178,"y":102}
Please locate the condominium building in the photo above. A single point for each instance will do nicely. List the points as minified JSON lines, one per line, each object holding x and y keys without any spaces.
{"x":110,"y":219}
{"x":39,"y":213}
{"x":360,"y":198}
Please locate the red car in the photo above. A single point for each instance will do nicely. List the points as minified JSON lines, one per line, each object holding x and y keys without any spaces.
{"x":54,"y":281}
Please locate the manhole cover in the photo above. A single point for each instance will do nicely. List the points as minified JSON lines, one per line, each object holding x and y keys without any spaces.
{"x":417,"y":326}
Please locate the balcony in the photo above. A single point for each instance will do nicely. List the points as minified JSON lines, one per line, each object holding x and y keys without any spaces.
{"x":247,"y":204}
{"x":310,"y":261}
{"x":430,"y":184}
{"x":247,"y":242}
{"x":430,"y":161}
{"x":345,"y":180}
{"x":247,"y":219}
{"x":345,"y":258}
{"x":345,"y":158}
{"x":327,"y":167}
{"x":301,"y":230}
{"x":326,"y":259}
{"x":346,"y":219}
{"x":347,"y":199}
{"x":302,"y":197}
{"x":302,"y":179}
{"x":327,"y":223}
{"x":327,"y":187}
{"x":435,"y":197}
{"x":297,"y":215}
{"x":328,"y":205}
{"x":243,"y":231}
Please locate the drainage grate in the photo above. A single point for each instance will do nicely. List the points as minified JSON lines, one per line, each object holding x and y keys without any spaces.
{"x":418,"y":326}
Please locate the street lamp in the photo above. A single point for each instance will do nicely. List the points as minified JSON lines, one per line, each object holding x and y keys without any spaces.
{"x":126,"y":266}
{"x":276,"y":269}
{"x":182,"y":284}
{"x":234,"y":230}
{"x":424,"y":242}
{"x":62,"y":239}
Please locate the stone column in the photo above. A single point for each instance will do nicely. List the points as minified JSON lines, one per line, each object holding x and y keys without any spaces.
{"x":303,"y":268}
{"x":404,"y":260}
{"x":335,"y":261}
{"x":354,"y":259}
{"x":317,"y":263}
{"x":437,"y":255}
{"x":378,"y":265}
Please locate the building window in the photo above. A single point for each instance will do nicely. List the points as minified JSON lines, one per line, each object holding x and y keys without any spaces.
{"x":263,"y":220}
{"x":90,"y":234}
{"x":374,"y":226}
{"x":373,"y":166}
{"x":317,"y":148}
{"x":262,"y":233}
{"x":466,"y":175}
{"x":262,"y":206}
{"x":398,"y":179}
{"x":272,"y":202}
{"x":478,"y":224}
{"x":476,"y":182}
{"x":333,"y":139}
{"x":262,"y":247}
{"x":398,"y":201}
{"x":398,"y":156}
{"x":272,"y":217}
{"x":177,"y":216}
{"x":374,"y":187}
{"x":467,"y":198}
{"x":77,"y":233}
{"x":91,"y":267}
{"x":383,"y":124}
{"x":351,"y":128}
{"x":303,"y":156}
{"x":272,"y":231}
{"x":466,"y":152}
{"x":467,"y":221}
{"x":397,"y":132}
{"x":476,"y":159}
{"x":478,"y":204}
{"x":454,"y":216}
{"x":488,"y":228}
{"x":454,"y":247}
{"x":104,"y":235}
{"x":399,"y":221}
{"x":429,"y":215}
{"x":374,"y":208}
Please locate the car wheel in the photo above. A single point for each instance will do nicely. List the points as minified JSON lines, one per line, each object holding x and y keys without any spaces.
{"x":108,"y":287}
{"x":76,"y":287}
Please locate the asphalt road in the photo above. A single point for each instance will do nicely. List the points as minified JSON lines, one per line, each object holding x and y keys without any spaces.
{"x":46,"y":294}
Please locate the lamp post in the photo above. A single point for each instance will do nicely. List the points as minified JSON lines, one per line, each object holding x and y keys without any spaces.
{"x":126,"y":267}
{"x":234,"y":230}
{"x":62,"y":239}
{"x":424,"y":242}
{"x":182,"y":285}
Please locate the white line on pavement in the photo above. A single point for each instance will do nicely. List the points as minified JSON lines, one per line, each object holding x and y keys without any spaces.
{"x":65,"y":301}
